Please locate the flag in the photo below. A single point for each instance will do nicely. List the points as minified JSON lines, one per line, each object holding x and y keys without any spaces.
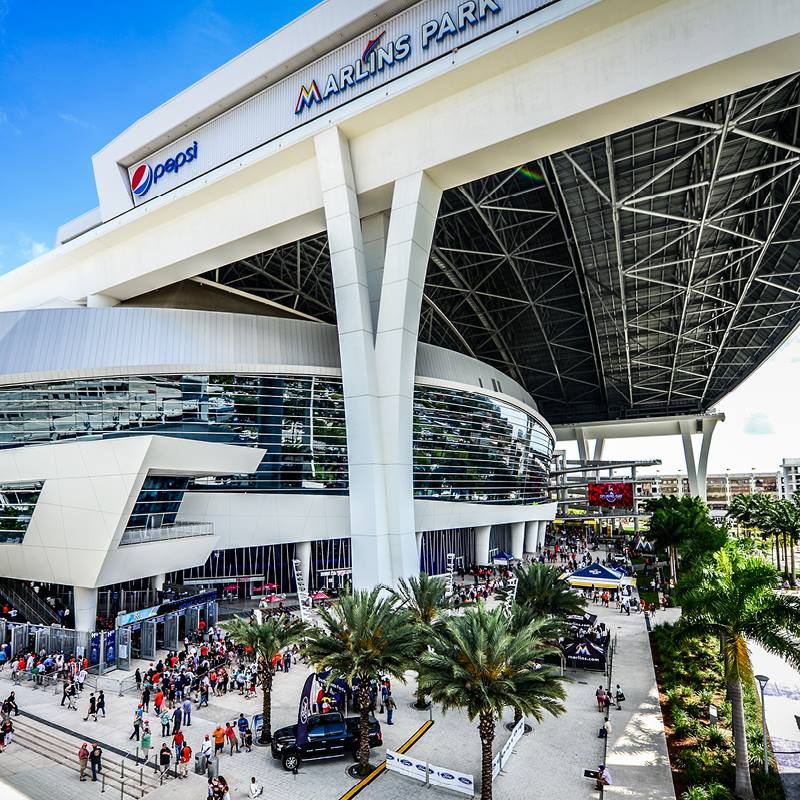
{"x":304,"y":712}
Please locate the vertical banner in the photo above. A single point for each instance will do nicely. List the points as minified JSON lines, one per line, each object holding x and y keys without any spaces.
{"x":304,"y":712}
{"x":94,"y":649}
{"x":111,"y":649}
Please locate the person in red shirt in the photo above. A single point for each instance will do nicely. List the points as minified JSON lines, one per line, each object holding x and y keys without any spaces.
{"x":158,"y":700}
{"x":230,"y":733}
{"x":183,"y":762}
{"x":202,"y":625}
{"x":178,"y":742}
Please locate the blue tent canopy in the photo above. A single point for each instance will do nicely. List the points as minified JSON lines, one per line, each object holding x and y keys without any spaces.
{"x":595,"y":575}
{"x":502,"y":555}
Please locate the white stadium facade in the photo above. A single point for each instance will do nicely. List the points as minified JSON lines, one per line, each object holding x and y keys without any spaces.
{"x":335,"y":294}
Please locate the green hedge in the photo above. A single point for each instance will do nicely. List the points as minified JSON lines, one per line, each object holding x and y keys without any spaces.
{"x":690,"y":678}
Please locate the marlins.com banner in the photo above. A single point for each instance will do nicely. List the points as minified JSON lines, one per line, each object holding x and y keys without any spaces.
{"x":611,"y":495}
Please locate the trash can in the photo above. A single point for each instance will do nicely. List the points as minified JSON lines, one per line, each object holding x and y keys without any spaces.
{"x":213,"y":767}
{"x":200,"y":764}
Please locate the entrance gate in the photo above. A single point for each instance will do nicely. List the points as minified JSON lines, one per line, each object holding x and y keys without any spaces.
{"x":124,"y":648}
{"x":148,"y":641}
{"x":19,"y":638}
{"x":41,"y":639}
{"x":211,"y":614}
{"x":171,"y":632}
{"x":192,"y":620}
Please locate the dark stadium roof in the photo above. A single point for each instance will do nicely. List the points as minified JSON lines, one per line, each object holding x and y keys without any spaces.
{"x":643,"y":274}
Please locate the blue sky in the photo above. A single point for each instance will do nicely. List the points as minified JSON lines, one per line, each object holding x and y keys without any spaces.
{"x":75,"y":74}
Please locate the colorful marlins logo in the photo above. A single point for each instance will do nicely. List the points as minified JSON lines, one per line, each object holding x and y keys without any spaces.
{"x":141,"y":179}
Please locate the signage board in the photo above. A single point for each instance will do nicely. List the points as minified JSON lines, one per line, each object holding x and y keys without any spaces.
{"x":406,"y":765}
{"x":413,"y":38}
{"x":450,"y":779}
{"x":611,"y":495}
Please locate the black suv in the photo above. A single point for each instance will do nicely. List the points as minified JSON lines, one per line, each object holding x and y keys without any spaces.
{"x":329,"y":735}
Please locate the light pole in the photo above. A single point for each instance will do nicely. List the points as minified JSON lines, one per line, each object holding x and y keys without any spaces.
{"x":763,"y":680}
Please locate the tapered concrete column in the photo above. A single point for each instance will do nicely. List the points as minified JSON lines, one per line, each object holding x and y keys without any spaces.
{"x":157,"y":582}
{"x":517,"y":539}
{"x":542,"y":524}
{"x":482,"y":544}
{"x":696,"y":471}
{"x":378,"y":279}
{"x":302,"y":552}
{"x":419,"y":543}
{"x":85,"y":608}
{"x":531,"y":535}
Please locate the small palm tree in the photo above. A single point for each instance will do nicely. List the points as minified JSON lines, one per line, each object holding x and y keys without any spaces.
{"x":266,"y":638}
{"x":423,"y":598}
{"x":363,"y":635}
{"x":478,"y":662}
{"x":540,"y":589}
{"x":733,"y":598}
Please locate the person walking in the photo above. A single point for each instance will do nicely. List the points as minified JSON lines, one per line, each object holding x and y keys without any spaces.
{"x":83,"y":760}
{"x":619,"y":696}
{"x":96,"y":760}
{"x":183,"y":764}
{"x":147,"y":741}
{"x":390,"y":707}
{"x":177,"y":743}
{"x":186,"y":707}
{"x":177,"y":716}
{"x":241,"y":724}
{"x":248,"y":739}
{"x":165,"y":723}
{"x":600,"y":695}
{"x":137,"y":725}
{"x":101,"y":703}
{"x":231,"y":735}
{"x":164,"y":757}
{"x":137,"y":676}
{"x":65,"y":691}
{"x":92,"y":712}
{"x":146,"y":700}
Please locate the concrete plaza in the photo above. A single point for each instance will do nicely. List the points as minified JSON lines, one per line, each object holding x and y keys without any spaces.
{"x":548,"y":762}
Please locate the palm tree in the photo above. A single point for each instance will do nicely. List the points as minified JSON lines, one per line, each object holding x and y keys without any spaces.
{"x":540,"y":588}
{"x":785,"y":517}
{"x":363,"y":635}
{"x":423,"y":598}
{"x":733,"y":597}
{"x":764,"y":518}
{"x":266,"y":638}
{"x":478,"y":662}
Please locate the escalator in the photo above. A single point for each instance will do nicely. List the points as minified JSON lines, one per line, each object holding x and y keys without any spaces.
{"x":27,"y":602}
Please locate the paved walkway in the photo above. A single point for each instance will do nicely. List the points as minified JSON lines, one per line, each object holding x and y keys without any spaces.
{"x":552,"y":758}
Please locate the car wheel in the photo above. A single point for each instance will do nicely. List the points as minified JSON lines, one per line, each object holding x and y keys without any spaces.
{"x":291,"y":762}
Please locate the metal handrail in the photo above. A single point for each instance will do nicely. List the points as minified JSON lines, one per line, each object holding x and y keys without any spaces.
{"x":176,"y":530}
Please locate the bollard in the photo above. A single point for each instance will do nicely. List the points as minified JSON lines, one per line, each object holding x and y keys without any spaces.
{"x":122,"y":791}
{"x":141,"y":775}
{"x":103,"y":786}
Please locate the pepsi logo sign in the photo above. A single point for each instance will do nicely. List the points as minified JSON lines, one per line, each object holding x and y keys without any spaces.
{"x":144,"y":176}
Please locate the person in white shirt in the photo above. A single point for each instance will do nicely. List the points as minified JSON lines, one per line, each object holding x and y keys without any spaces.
{"x":603,"y":777}
{"x":256,"y":789}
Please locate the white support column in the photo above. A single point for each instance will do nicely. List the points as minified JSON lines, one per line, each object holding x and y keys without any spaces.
{"x":542,"y":532}
{"x":378,"y":363}
{"x":688,"y":452}
{"x":157,"y":582}
{"x":419,"y":543}
{"x":531,"y":535}
{"x":517,"y":539}
{"x":697,"y":471}
{"x":482,"y":534}
{"x":302,"y":552}
{"x":583,"y":444}
{"x":85,"y":608}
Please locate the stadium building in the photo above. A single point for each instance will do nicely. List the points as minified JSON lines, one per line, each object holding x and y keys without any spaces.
{"x":338,"y":297}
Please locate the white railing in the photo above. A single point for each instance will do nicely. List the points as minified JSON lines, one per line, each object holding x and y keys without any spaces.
{"x":178,"y":530}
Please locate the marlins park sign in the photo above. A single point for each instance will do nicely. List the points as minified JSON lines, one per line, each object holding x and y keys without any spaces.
{"x":417,"y":36}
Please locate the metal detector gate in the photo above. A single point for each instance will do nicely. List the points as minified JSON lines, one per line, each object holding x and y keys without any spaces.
{"x":124,"y":648}
{"x":192,"y":620}
{"x":19,"y":638}
{"x":171,"y":632}
{"x":211,"y":614}
{"x":147,"y":644}
{"x":41,"y":639}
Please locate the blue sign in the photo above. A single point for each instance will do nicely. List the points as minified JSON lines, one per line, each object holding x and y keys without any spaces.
{"x":94,"y":649}
{"x":111,"y":647}
{"x":303,"y":713}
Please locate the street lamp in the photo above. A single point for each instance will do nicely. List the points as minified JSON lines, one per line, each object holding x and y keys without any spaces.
{"x":763,"y":680}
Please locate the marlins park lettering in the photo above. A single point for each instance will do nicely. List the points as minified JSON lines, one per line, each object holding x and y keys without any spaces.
{"x":379,"y":55}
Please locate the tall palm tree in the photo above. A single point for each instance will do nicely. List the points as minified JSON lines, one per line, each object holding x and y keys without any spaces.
{"x":540,"y":589}
{"x":363,"y":635}
{"x":763,"y":516}
{"x":266,"y":638}
{"x":733,"y":597}
{"x":785,"y":517}
{"x":478,"y":662}
{"x":423,"y":598}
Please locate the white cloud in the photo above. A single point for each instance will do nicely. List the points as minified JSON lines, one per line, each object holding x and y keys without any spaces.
{"x":30,"y":248}
{"x":758,"y":424}
{"x":73,"y":120}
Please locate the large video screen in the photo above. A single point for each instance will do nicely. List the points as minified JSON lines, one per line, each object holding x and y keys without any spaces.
{"x":611,"y":495}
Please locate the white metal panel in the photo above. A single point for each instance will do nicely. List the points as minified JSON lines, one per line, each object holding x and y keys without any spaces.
{"x":272,"y":112}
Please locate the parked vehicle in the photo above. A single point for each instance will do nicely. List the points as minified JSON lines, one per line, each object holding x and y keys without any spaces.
{"x":329,"y":736}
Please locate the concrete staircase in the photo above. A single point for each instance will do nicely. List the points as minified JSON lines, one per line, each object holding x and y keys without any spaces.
{"x":134,"y":780}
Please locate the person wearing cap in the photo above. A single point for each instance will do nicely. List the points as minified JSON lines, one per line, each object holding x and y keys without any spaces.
{"x":603,"y":777}
{"x":83,"y":760}
{"x":96,"y":760}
